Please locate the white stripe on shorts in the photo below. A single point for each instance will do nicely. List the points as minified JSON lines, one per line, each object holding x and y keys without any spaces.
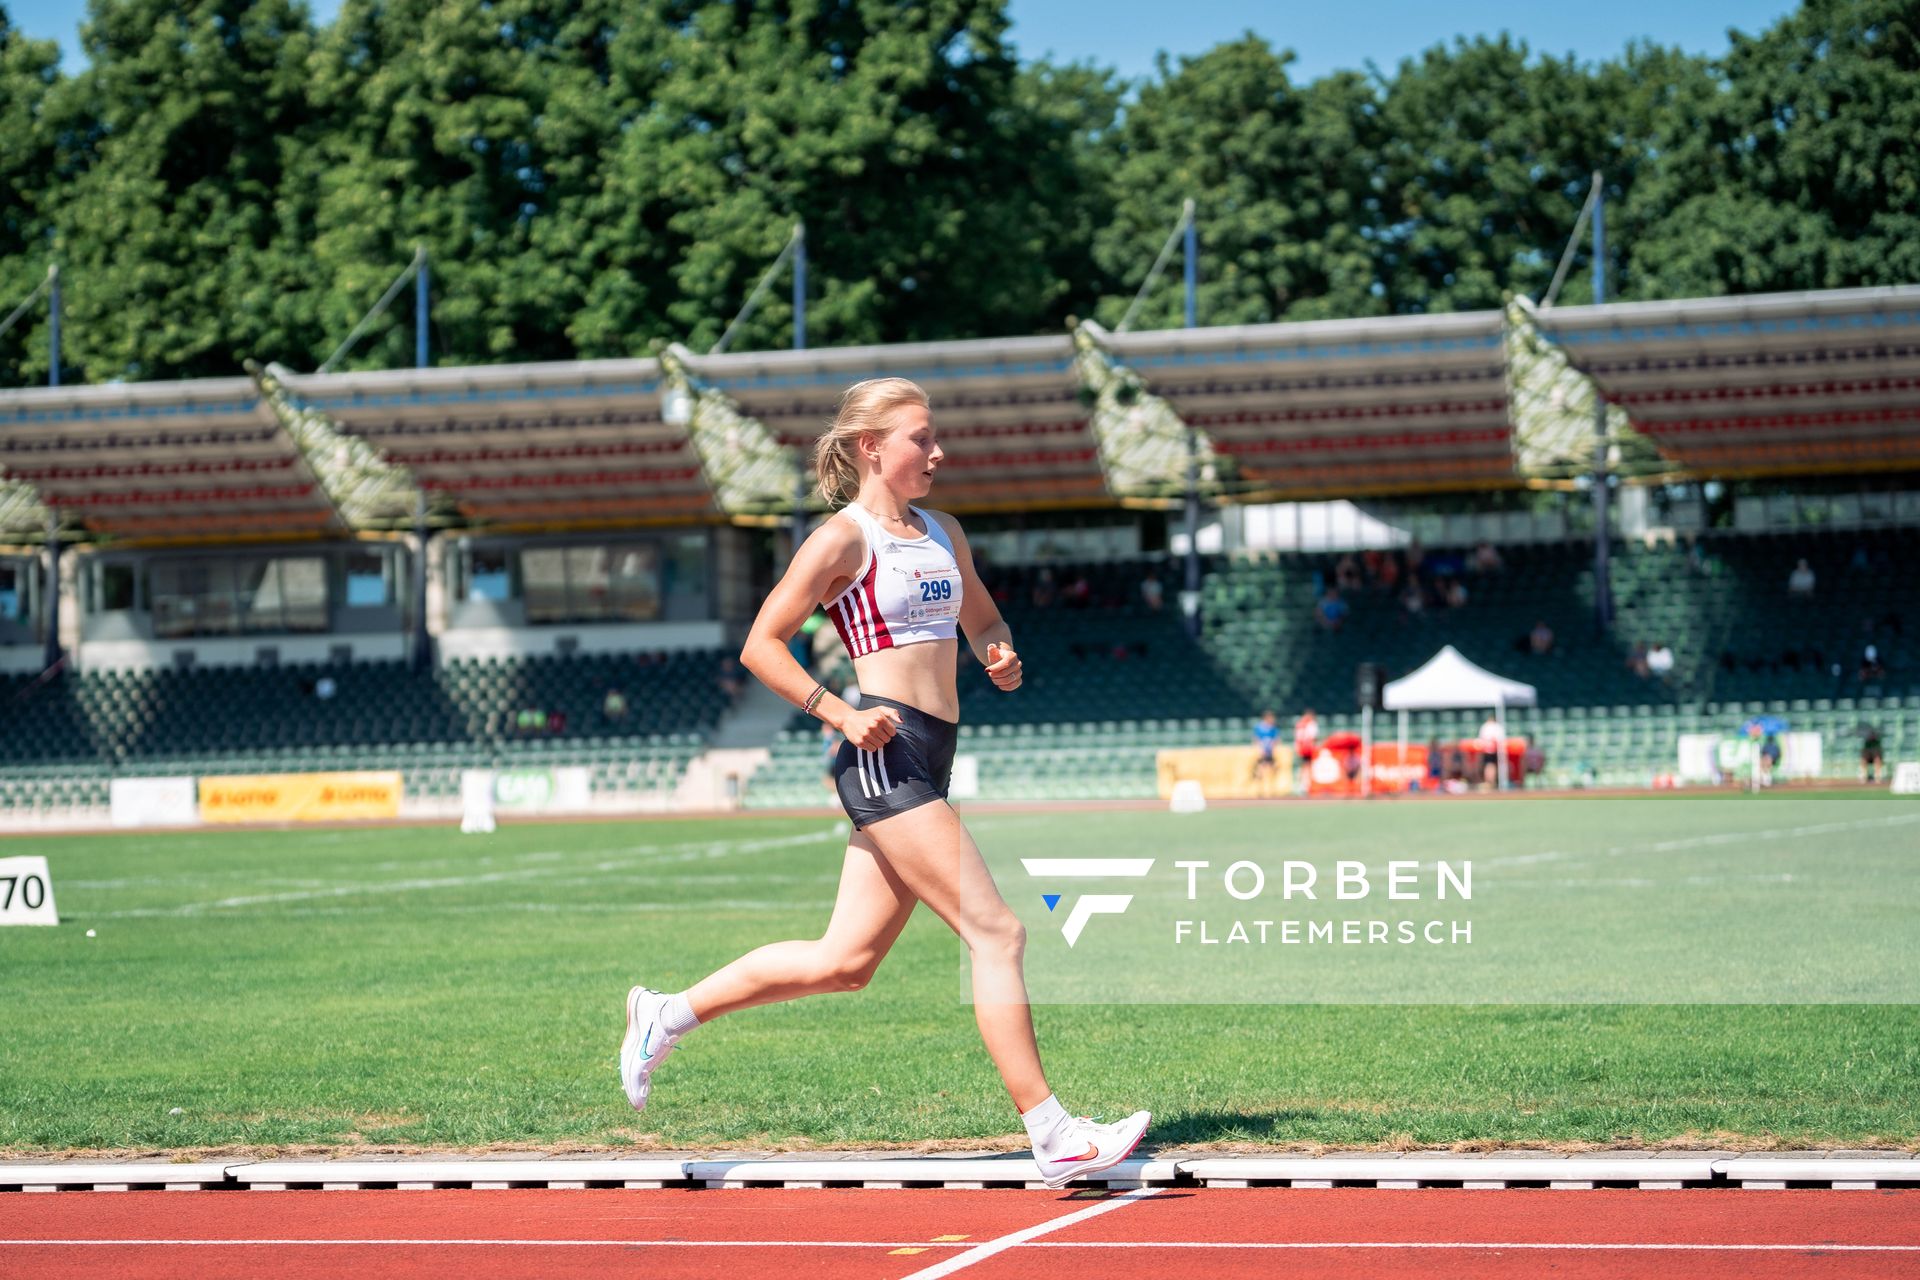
{"x":866,"y":782}
{"x":880,"y":758}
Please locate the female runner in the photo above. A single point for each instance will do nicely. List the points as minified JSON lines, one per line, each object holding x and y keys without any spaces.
{"x":895,"y":579}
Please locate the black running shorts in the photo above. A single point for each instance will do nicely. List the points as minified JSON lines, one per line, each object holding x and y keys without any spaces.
{"x":914,"y":767}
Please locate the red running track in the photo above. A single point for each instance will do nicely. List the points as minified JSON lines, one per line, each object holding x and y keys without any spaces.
{"x":1223,"y":1234}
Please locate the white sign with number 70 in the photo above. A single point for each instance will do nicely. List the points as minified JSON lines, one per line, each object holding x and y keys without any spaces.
{"x":26,"y":892}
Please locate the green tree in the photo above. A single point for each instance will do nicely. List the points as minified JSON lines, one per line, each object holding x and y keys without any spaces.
{"x":1807,"y":172}
{"x":894,"y":131}
{"x":435,"y":135}
{"x":170,"y":228}
{"x":1282,"y":179}
{"x":29,"y":162}
{"x":1488,"y":159}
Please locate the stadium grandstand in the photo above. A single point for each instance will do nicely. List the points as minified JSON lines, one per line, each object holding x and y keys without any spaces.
{"x":523,"y":570}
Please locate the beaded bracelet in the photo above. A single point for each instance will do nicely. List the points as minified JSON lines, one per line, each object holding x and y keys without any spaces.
{"x":819,"y":692}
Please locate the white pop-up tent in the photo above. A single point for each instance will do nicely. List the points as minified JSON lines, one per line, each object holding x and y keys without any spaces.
{"x":1449,"y":682}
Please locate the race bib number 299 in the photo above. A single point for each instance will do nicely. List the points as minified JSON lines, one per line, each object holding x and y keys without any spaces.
{"x":934,"y":594}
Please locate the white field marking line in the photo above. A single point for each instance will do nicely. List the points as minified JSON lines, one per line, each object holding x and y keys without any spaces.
{"x":703,"y":849}
{"x":996,"y":1246}
{"x":1687,"y":842}
{"x":988,"y":1248}
{"x":1641,"y":882}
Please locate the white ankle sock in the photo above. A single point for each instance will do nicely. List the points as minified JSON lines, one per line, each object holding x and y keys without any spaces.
{"x":1047,"y":1124}
{"x":676,"y":1019}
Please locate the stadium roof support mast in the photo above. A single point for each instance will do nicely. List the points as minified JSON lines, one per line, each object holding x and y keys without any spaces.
{"x":53,"y":326}
{"x":800,"y":518}
{"x":420,"y":316}
{"x":1190,"y":596}
{"x":1602,"y":585}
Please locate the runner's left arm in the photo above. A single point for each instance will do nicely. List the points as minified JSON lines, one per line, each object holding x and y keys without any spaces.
{"x":979,"y":615}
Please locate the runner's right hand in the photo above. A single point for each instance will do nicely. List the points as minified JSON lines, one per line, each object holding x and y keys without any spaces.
{"x":871,"y":730}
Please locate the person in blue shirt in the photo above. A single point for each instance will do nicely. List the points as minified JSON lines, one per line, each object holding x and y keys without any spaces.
{"x":1266,"y":732}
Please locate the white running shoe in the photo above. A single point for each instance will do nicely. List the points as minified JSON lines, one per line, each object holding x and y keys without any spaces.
{"x":646,"y":1044}
{"x":1093,"y":1148}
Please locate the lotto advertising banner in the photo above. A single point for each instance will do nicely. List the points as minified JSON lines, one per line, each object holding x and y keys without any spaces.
{"x":300,"y":797}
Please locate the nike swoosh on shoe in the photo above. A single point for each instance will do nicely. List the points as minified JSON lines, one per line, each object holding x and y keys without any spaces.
{"x":1093,"y":1152}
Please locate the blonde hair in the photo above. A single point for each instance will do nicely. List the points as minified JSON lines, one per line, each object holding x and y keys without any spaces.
{"x":863,"y":409}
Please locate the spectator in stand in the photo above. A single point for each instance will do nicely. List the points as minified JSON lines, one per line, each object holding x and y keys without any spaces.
{"x":1346,"y":573}
{"x":1660,"y":660}
{"x":1388,"y":578}
{"x":729,"y":678}
{"x":1800,"y":581}
{"x":1533,"y":761}
{"x":1871,"y":757}
{"x":613,"y":707}
{"x":1436,"y":764}
{"x":1486,"y":559}
{"x":1540,"y":639}
{"x":1043,"y":589}
{"x":1871,"y":668}
{"x":1637,"y":660}
{"x":1306,"y":738}
{"x":1266,"y":734}
{"x":1151,"y":593}
{"x":1079,"y":592}
{"x":1416,"y":558}
{"x":1413,"y":600}
{"x":1456,"y":594}
{"x":1331,"y":612}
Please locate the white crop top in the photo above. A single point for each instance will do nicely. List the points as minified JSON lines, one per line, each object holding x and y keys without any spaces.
{"x":908,"y":591}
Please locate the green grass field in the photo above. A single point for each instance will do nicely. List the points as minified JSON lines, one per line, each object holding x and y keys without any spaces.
{"x":416,"y":987}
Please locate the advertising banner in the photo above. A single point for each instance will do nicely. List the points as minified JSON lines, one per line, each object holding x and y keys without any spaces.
{"x":300,"y":797}
{"x":568,"y":788}
{"x":1223,"y":772}
{"x":152,"y":802}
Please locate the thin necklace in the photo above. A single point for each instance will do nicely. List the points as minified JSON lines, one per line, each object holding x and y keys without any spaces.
{"x":879,"y":516}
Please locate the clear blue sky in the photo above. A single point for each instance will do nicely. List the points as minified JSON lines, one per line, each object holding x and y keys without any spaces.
{"x":1125,"y":34}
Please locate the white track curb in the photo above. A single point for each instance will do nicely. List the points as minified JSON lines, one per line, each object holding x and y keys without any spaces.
{"x":1854,"y":1170}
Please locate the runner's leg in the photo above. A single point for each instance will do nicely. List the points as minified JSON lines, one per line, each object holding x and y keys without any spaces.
{"x":940,"y":864}
{"x":870,"y":911}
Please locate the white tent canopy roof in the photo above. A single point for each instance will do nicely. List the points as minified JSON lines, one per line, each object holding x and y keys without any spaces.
{"x":1449,"y":680}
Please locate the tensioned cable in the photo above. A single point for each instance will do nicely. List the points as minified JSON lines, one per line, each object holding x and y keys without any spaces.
{"x":753,"y":299}
{"x":1573,"y":242}
{"x":386,"y":300}
{"x":1159,"y":263}
{"x":32,"y":298}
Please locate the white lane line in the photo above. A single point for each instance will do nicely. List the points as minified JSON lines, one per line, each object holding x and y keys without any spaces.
{"x":979,"y":1252}
{"x":987,"y":1249}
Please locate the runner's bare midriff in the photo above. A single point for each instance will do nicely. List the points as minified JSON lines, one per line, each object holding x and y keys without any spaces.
{"x":920,"y":675}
